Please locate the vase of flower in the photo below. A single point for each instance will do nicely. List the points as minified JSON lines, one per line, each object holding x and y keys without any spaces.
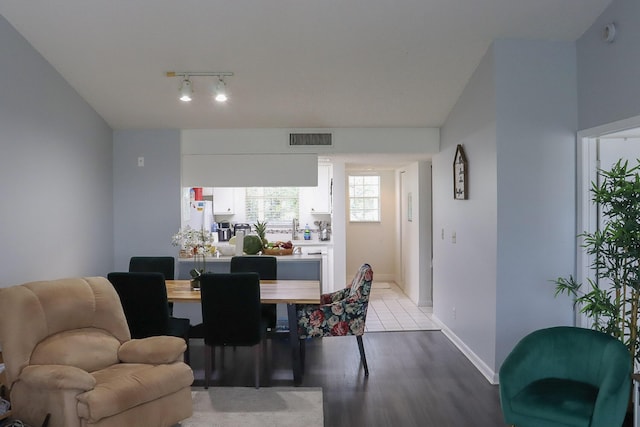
{"x":198,"y":243}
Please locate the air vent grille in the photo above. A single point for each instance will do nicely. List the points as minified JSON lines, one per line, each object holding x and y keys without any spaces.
{"x":310,"y":139}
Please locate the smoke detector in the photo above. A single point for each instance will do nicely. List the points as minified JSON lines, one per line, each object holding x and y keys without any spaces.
{"x":609,"y":33}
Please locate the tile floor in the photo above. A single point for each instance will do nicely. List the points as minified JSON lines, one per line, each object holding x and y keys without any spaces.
{"x":391,"y":310}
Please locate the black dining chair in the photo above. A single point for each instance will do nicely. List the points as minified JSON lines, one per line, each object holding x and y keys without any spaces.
{"x":267,"y":269}
{"x":154,"y":264}
{"x":231,"y":315}
{"x":144,"y":300}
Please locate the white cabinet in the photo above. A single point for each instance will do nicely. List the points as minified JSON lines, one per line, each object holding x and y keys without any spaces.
{"x":223,"y":201}
{"x":320,"y":197}
{"x":326,"y":274}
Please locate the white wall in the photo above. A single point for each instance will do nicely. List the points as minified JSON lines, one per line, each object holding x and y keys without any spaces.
{"x":374,"y":242}
{"x":55,"y":172}
{"x":353,"y":140}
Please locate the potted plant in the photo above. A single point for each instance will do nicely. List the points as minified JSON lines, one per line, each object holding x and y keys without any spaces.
{"x":612,"y":302}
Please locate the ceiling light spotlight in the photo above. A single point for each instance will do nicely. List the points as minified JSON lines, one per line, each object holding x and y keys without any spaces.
{"x":221,"y":91}
{"x":186,"y":90}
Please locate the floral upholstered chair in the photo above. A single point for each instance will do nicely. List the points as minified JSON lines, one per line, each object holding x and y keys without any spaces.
{"x":339,"y":313}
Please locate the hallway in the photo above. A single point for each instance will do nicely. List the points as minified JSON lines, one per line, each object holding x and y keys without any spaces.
{"x":391,"y":310}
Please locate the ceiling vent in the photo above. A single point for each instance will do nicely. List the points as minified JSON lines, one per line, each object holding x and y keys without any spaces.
{"x":310,"y":139}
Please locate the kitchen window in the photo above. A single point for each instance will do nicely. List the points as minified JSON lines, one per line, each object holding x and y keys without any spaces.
{"x":276,"y":205}
{"x":364,"y":198}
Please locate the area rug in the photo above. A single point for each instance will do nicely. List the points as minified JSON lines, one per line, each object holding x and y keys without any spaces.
{"x":249,"y":407}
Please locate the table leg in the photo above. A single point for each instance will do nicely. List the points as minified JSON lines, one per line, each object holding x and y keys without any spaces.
{"x":295,"y":344}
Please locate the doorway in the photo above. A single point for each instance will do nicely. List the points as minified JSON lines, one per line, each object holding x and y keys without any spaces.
{"x":599,"y":148}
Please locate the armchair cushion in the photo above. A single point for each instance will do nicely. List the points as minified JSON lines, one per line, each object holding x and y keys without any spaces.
{"x":87,"y":348}
{"x":154,"y":350}
{"x":57,"y":377}
{"x":543,"y":397}
{"x":127,"y":385}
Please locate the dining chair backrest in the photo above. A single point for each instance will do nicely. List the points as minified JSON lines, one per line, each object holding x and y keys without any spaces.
{"x":265,"y":266}
{"x":144,"y":300}
{"x":231,"y":312}
{"x":267,"y":269}
{"x":153,"y":264}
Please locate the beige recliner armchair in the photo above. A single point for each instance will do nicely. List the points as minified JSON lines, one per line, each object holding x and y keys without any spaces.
{"x":68,"y":353}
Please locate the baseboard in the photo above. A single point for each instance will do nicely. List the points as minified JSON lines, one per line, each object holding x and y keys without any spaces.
{"x":484,"y":369}
{"x":382,"y":277}
{"x":426,"y":302}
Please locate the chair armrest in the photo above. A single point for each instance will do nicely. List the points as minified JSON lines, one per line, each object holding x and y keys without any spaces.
{"x":57,"y":377}
{"x":153,"y":350}
{"x":615,"y":387}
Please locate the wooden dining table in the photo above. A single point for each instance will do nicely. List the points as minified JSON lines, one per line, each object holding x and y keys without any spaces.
{"x":289,"y":292}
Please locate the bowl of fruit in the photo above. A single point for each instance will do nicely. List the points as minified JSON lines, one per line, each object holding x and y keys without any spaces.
{"x":278,"y":248}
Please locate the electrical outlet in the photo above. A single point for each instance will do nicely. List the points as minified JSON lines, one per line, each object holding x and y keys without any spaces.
{"x":443,"y":234}
{"x":140,"y":162}
{"x":453,"y":237}
{"x":453,"y":312}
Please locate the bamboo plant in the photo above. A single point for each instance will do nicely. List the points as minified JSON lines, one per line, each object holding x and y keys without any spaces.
{"x":611,"y":301}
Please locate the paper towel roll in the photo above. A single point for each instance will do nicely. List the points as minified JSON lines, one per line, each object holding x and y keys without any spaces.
{"x":239,"y":242}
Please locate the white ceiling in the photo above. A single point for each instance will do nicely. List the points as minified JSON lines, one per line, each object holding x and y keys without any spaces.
{"x":297,"y":63}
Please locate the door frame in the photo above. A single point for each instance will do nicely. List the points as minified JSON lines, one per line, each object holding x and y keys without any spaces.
{"x":586,"y":213}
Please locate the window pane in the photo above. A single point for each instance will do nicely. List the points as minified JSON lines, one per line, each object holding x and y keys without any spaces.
{"x":364,"y":198}
{"x":371,"y":215}
{"x":370,"y":204}
{"x":277,"y":205}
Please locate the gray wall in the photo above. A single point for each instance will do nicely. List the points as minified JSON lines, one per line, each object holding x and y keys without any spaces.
{"x":536,"y":116}
{"x":517,"y":120}
{"x":55,"y":172}
{"x":146,"y":200}
{"x":608,"y":73}
{"x":464,"y":272}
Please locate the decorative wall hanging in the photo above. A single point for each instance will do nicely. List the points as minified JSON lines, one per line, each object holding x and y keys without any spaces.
{"x":460,"y":180}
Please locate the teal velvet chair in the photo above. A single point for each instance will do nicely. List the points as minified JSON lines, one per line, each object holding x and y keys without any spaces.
{"x":566,"y":376}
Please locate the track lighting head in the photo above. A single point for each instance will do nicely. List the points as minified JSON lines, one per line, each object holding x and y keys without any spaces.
{"x":221,"y":91}
{"x":186,"y":90}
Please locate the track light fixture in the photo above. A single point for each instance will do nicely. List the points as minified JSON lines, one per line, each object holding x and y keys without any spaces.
{"x":221,"y":91}
{"x":186,"y":90}
{"x":186,"y":87}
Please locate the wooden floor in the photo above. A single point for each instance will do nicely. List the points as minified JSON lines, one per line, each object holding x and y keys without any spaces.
{"x":417,"y":378}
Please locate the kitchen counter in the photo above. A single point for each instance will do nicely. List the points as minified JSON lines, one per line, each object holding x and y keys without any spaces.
{"x":280,"y":258}
{"x":290,"y":267}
